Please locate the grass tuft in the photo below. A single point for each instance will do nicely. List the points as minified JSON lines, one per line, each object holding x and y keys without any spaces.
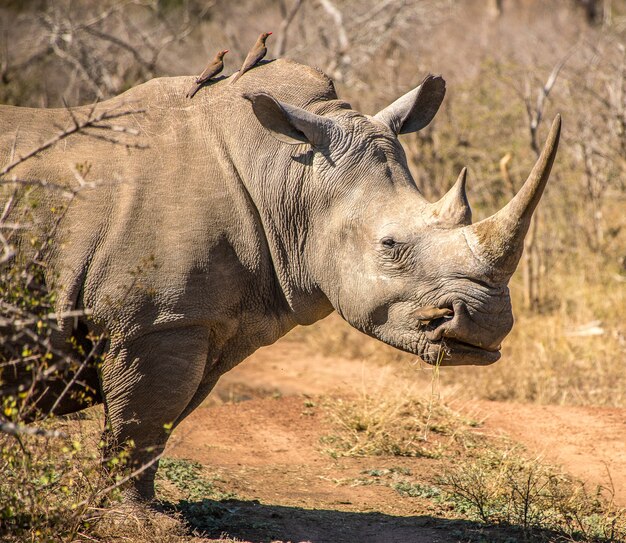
{"x":392,"y":420}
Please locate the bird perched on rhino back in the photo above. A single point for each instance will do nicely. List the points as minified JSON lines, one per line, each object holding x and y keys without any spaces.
{"x":212,"y":69}
{"x":255,"y":55}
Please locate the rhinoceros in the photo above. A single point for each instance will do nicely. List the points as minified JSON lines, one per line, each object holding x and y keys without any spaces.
{"x":213,"y":226}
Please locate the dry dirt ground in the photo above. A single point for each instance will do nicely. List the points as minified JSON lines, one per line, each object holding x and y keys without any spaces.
{"x":260,"y":433}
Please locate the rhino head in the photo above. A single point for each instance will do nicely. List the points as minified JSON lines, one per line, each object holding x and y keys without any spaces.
{"x":417,"y":275}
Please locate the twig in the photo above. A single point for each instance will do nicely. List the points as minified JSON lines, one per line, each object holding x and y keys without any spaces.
{"x":20,"y":323}
{"x":18,"y":429}
{"x":535,"y":115}
{"x":284,"y":28}
{"x":123,"y":480}
{"x":14,"y":144}
{"x":78,"y":126}
{"x":70,"y":383}
{"x":116,"y":141}
{"x":7,"y":208}
{"x":73,"y":61}
{"x":37,"y":183}
{"x":7,"y":251}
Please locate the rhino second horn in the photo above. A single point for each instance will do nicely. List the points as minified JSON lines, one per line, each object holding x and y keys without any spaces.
{"x":500,"y":238}
{"x":454,"y":209}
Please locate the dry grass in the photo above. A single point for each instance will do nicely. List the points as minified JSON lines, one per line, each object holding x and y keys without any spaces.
{"x":53,"y":489}
{"x":487,"y":480}
{"x":390,"y":418}
{"x":139,"y":525}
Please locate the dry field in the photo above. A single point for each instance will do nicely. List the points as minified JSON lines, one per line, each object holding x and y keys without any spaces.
{"x":294,"y":446}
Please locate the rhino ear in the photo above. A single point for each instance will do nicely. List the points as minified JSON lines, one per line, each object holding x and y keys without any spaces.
{"x":415,"y":109}
{"x":291,"y":124}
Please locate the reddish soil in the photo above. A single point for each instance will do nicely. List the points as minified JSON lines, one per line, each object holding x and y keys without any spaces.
{"x":589,"y":442}
{"x":260,"y":432}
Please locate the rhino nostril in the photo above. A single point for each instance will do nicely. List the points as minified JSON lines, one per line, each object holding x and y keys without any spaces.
{"x":460,"y":327}
{"x":437,"y":328}
{"x":425,"y":315}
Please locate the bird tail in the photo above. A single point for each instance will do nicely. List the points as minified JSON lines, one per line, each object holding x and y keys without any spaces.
{"x":237,"y":76}
{"x":192,"y":91}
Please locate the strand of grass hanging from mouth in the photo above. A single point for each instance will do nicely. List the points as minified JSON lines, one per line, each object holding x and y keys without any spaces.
{"x":433,"y":382}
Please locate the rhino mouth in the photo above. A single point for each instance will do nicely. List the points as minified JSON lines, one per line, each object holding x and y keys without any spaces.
{"x":454,"y":351}
{"x":448,"y":350}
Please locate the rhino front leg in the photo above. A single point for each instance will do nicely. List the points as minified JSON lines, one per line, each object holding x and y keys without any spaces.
{"x":147,"y":385}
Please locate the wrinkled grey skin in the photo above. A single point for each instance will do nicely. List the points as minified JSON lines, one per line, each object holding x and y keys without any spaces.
{"x":254,"y":208}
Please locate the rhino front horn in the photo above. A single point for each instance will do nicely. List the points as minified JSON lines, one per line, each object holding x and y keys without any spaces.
{"x":499,"y":239}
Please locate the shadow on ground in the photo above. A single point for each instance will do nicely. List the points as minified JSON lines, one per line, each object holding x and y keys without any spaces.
{"x":260,"y":523}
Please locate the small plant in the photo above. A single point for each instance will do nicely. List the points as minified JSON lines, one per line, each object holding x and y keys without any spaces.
{"x":417,"y":490}
{"x":188,"y":478}
{"x":504,"y":487}
{"x":196,"y":497}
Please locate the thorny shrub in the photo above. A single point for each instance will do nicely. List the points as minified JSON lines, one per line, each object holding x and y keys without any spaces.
{"x":52,"y":486}
{"x":52,"y":482}
{"x":503,"y":486}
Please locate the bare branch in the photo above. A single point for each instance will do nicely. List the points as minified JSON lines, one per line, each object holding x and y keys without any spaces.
{"x":116,"y":141}
{"x":343,"y":43}
{"x":82,"y":182}
{"x":337,"y":17}
{"x":90,"y":121}
{"x":7,"y":208}
{"x":89,"y":358}
{"x":18,"y":429}
{"x":21,"y":323}
{"x":123,"y":480}
{"x":70,"y":112}
{"x":37,"y":183}
{"x":535,"y":116}
{"x":14,"y":144}
{"x":80,"y":68}
{"x":123,"y":45}
{"x":284,"y":27}
{"x":7,"y":251}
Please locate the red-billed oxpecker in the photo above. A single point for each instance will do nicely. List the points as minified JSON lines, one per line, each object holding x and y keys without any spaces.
{"x":212,"y":69}
{"x":255,"y":55}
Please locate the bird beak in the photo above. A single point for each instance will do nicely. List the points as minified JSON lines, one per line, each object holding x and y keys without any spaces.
{"x":269,"y":33}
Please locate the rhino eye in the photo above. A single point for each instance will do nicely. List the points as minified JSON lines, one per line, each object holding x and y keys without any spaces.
{"x":380,"y":155}
{"x":389,"y":243}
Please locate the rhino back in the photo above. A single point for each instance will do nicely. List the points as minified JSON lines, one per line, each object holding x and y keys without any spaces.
{"x":168,"y":233}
